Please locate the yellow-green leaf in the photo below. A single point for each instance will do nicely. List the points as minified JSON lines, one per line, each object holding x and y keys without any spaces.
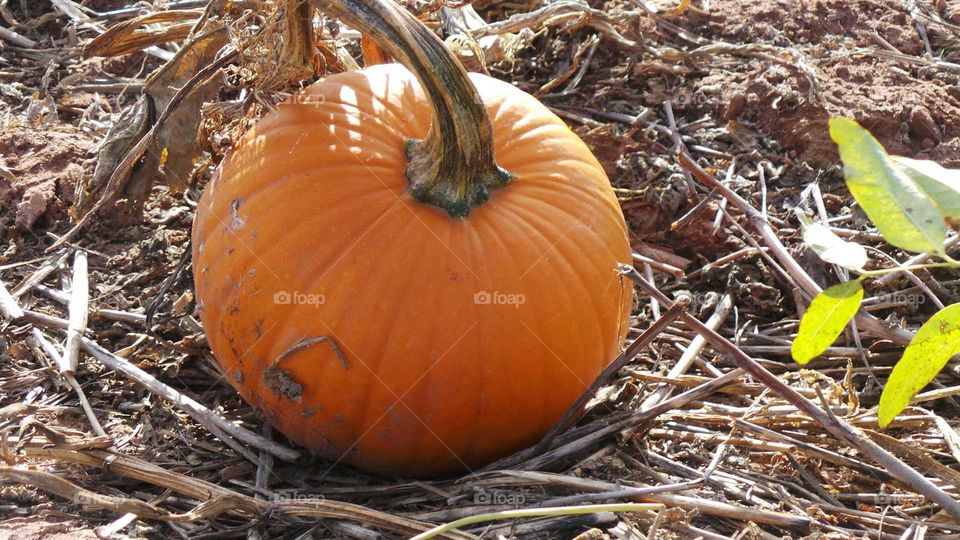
{"x":941,"y":185}
{"x":825,"y":319}
{"x":935,"y":343}
{"x":895,"y":202}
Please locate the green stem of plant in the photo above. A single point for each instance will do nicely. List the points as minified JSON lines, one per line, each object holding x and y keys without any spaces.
{"x":950,"y":259}
{"x":539,"y":512}
{"x":883,"y":271}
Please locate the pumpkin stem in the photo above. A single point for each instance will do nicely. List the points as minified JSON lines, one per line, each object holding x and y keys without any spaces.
{"x":453,"y":167}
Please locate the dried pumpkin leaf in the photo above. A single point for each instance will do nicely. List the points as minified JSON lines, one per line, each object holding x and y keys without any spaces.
{"x":134,"y":122}
{"x":177,"y":134}
{"x":132,"y":36}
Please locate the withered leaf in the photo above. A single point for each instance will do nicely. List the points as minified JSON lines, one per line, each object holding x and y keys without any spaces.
{"x":130,"y":127}
{"x":132,"y":36}
{"x":129,"y":161}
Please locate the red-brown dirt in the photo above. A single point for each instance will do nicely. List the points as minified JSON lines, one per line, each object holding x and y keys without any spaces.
{"x":45,"y":165}
{"x":912,"y":112}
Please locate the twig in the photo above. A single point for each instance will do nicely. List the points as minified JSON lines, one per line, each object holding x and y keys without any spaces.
{"x":10,"y":36}
{"x":9,"y":307}
{"x":887,"y":280}
{"x":79,"y":305}
{"x":536,"y":512}
{"x":868,"y":322}
{"x":730,"y":257}
{"x":58,"y":295}
{"x":657,"y":265}
{"x":686,"y":360}
{"x":612,"y":369}
{"x":71,"y":380}
{"x":654,"y":306}
{"x":585,"y":48}
{"x":677,"y":146}
{"x":212,"y":421}
{"x":709,"y":507}
{"x":218,"y":499}
{"x":39,"y":274}
{"x":531,"y":459}
{"x":617,"y":494}
{"x":218,"y":425}
{"x":835,"y":426}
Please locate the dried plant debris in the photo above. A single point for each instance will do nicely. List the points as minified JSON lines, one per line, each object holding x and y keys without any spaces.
{"x":114,"y":114}
{"x":156,"y":137}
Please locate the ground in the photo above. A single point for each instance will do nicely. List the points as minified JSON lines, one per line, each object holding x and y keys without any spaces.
{"x":747,"y":84}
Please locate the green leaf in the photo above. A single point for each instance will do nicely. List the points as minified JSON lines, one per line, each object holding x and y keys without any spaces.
{"x":825,"y":319}
{"x":935,"y":343}
{"x":830,"y":247}
{"x":941,"y":185}
{"x":901,"y":210}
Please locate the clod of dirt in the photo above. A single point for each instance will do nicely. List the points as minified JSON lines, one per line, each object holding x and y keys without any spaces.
{"x":923,"y":126}
{"x":46,"y":166}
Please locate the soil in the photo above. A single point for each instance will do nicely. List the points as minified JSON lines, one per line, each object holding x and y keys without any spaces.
{"x":911,"y":114}
{"x":46,"y":166}
{"x":46,"y":527}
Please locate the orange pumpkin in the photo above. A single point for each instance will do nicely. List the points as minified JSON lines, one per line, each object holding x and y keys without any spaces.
{"x":380,"y":330}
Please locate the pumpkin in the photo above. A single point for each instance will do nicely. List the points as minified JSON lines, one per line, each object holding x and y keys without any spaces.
{"x":411,"y":325}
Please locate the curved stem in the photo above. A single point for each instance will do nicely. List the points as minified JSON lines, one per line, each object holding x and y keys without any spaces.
{"x":453,"y":167}
{"x":884,"y":271}
{"x":540,"y":512}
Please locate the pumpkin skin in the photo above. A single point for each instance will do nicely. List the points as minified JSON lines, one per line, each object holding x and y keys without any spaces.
{"x":460,"y":340}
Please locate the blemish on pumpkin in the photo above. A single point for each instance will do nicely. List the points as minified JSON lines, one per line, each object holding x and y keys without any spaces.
{"x":308,"y":412}
{"x":230,"y":250}
{"x":282,"y":384}
{"x":237,"y":222}
{"x":238,"y":376}
{"x":307,"y":342}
